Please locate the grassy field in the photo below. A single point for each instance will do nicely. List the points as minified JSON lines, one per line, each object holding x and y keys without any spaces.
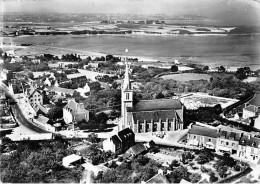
{"x":184,"y":77}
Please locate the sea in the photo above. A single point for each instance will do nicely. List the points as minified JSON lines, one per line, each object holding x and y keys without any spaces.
{"x":211,"y":50}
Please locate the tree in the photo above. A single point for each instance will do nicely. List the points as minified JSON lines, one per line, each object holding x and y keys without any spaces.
{"x":174,"y":163}
{"x":213,"y":178}
{"x":205,"y":68}
{"x":221,"y":69}
{"x":174,"y":68}
{"x":222,"y":171}
{"x":195,"y":178}
{"x":93,"y":137}
{"x":55,"y":112}
{"x":30,"y":75}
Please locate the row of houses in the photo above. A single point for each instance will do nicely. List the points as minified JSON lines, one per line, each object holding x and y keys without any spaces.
{"x":225,"y":139}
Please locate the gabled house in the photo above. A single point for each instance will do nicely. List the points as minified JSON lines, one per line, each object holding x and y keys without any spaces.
{"x":75,"y":112}
{"x":200,"y":136}
{"x":34,"y":96}
{"x":120,"y":142}
{"x":228,"y":141}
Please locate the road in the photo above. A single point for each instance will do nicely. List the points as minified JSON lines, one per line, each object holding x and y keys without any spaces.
{"x":25,"y":126}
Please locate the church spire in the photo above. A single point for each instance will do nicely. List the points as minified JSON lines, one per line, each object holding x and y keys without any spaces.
{"x":126,"y":84}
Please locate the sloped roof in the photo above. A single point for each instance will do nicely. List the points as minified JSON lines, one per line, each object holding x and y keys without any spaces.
{"x":253,"y":142}
{"x":183,"y":181}
{"x":125,"y":134}
{"x":158,"y":104}
{"x":42,"y":119}
{"x":159,"y":178}
{"x":62,"y":90}
{"x":137,"y":149}
{"x":75,"y":75}
{"x":155,"y":115}
{"x":76,"y":108}
{"x":256,"y":100}
{"x":252,"y":108}
{"x":71,"y":158}
{"x":115,"y":139}
{"x":203,"y":131}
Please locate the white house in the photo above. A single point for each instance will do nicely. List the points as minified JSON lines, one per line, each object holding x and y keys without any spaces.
{"x":75,"y":112}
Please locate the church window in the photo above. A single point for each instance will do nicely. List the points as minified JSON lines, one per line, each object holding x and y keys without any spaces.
{"x":127,"y":96}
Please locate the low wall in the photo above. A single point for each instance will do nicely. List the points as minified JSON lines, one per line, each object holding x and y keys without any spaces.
{"x":236,"y":176}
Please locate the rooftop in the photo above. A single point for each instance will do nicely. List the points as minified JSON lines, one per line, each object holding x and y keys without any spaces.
{"x":155,"y":115}
{"x":159,"y":178}
{"x":158,"y":104}
{"x":137,"y":149}
{"x":252,"y":108}
{"x":62,"y":90}
{"x":256,"y":100}
{"x":75,"y":75}
{"x":203,"y":131}
{"x":125,"y":134}
{"x":71,"y":158}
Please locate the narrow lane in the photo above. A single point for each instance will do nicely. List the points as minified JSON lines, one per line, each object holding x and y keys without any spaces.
{"x":23,"y":122}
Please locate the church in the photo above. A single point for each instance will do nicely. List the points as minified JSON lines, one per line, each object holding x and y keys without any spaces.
{"x":149,"y":115}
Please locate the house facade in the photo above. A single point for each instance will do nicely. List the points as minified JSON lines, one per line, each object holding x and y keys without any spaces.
{"x":34,"y":96}
{"x":200,"y":136}
{"x":75,"y":112}
{"x":120,"y":142}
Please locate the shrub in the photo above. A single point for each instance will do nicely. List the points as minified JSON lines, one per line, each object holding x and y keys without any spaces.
{"x":204,"y":169}
{"x":120,"y":159}
{"x":174,"y":163}
{"x":213,"y":178}
{"x":195,"y":178}
{"x":237,"y":168}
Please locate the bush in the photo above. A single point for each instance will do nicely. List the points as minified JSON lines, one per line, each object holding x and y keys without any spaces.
{"x":237,"y":168}
{"x":174,"y":163}
{"x":204,"y":169}
{"x":120,"y":159}
{"x":213,"y":178}
{"x":195,"y":178}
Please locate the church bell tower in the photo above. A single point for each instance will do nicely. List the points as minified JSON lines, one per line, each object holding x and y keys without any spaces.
{"x":127,"y":97}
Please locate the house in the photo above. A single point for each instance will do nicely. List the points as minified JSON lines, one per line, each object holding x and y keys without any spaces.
{"x":72,"y":160}
{"x":75,"y":112}
{"x":34,"y":96}
{"x":77,"y":78}
{"x":44,"y":123}
{"x":94,"y":64}
{"x":120,"y":142}
{"x":47,"y":82}
{"x":158,"y":178}
{"x":59,"y":91}
{"x":149,"y":115}
{"x":249,"y":148}
{"x":16,"y":59}
{"x":201,"y":136}
{"x":251,"y":111}
{"x":136,"y":149}
{"x":228,"y":141}
{"x":95,"y":169}
{"x":6,"y":74}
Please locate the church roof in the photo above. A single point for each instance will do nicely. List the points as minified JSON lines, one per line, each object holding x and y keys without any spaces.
{"x":158,"y":104}
{"x":155,"y":115}
{"x":203,"y":131}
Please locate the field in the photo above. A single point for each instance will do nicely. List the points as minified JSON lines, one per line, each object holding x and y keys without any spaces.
{"x":196,"y":100}
{"x":184,"y":77}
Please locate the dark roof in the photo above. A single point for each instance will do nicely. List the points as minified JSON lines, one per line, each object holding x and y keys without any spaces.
{"x":203,"y":131}
{"x":155,"y":115}
{"x":243,"y":140}
{"x":253,"y":142}
{"x":137,"y":149}
{"x":230,"y":135}
{"x":158,"y":104}
{"x":159,"y":178}
{"x":125,"y":134}
{"x":115,"y":139}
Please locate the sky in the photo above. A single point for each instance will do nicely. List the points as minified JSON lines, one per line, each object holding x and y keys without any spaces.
{"x":229,"y":11}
